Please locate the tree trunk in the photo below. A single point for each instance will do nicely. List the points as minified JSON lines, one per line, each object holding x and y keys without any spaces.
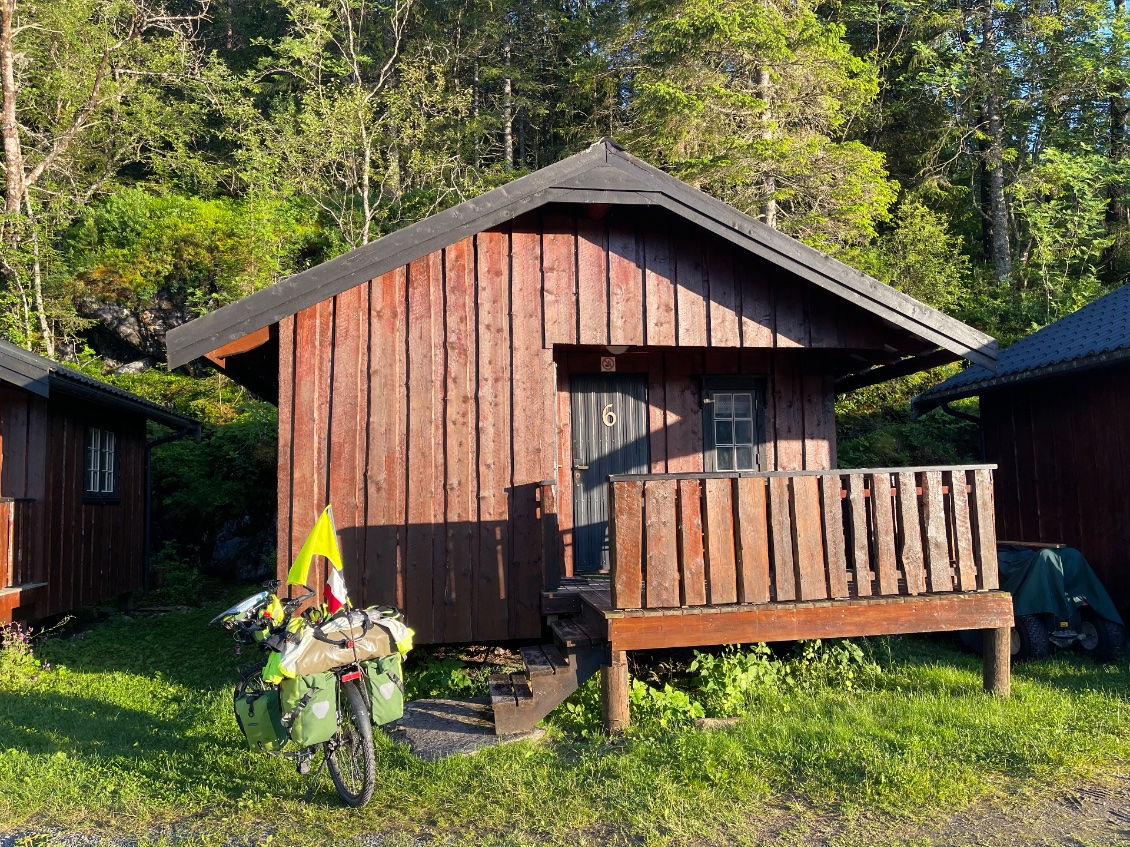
{"x":475,"y":89}
{"x":507,"y":114}
{"x":764,"y":87}
{"x":1001,"y":249}
{"x":13,"y":154}
{"x":1115,"y":210}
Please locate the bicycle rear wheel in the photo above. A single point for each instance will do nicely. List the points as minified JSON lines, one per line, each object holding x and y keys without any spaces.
{"x":349,"y":754}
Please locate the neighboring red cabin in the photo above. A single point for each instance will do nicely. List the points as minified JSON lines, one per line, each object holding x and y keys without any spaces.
{"x":1055,"y":417}
{"x":72,"y":486}
{"x":442,"y":385}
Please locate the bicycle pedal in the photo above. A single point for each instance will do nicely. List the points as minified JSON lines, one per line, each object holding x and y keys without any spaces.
{"x":304,"y":766}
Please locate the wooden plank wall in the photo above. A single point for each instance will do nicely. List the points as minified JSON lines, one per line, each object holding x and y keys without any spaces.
{"x":86,"y":552}
{"x":1063,"y":450}
{"x":427,"y":406}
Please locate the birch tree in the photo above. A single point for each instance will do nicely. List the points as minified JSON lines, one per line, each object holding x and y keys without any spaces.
{"x":85,"y":87}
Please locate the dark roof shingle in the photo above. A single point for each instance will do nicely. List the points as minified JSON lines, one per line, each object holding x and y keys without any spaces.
{"x":39,"y":375}
{"x":1094,"y":335}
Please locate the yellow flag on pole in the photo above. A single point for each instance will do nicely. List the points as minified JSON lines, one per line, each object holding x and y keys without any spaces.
{"x":322,"y":541}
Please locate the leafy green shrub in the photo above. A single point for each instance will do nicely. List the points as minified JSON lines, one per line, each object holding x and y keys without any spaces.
{"x":440,"y":677}
{"x":18,"y":663}
{"x":662,"y":708}
{"x":731,"y":680}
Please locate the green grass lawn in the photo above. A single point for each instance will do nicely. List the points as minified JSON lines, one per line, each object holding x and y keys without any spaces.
{"x":130,"y":732}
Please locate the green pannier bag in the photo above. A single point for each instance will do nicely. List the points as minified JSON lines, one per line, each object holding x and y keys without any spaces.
{"x":259,"y":716}
{"x":385,"y":681}
{"x":309,"y":708}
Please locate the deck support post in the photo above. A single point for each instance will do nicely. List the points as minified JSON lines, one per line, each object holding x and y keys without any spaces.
{"x":996,"y":655}
{"x":614,"y":710}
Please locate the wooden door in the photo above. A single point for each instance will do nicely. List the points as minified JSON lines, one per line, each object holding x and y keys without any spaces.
{"x":610,"y":436}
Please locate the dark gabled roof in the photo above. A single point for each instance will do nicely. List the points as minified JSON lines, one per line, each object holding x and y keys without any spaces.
{"x":604,"y":173}
{"x":1095,"y":335}
{"x":45,"y":377}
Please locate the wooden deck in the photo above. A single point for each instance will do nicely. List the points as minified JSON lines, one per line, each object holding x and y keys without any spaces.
{"x":710,"y":559}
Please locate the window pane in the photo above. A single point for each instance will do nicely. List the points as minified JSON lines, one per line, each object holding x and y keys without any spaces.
{"x":93,"y":460}
{"x":725,"y":458}
{"x":723,"y":405}
{"x":743,"y":405}
{"x":745,"y":459}
{"x":743,"y":432}
{"x":723,"y":432}
{"x":108,"y":447}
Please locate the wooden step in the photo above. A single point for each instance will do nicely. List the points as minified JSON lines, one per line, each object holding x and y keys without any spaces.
{"x":543,"y":660}
{"x":521,"y":700}
{"x":572,"y":632}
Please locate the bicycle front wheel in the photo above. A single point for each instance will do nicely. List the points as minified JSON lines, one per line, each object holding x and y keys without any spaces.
{"x":349,"y":754}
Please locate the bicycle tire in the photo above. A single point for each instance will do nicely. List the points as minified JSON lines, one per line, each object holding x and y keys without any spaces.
{"x":349,"y":754}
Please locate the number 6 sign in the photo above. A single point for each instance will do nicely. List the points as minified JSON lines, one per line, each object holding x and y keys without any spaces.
{"x":608,"y":416}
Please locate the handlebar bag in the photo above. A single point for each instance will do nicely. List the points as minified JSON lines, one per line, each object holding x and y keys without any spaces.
{"x":309,"y":708}
{"x":384,"y":679}
{"x":259,"y":716}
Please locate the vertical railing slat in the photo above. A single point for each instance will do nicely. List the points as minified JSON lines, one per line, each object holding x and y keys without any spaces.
{"x":963,"y":533}
{"x":909,"y":521}
{"x":881,"y":504}
{"x":691,"y":554}
{"x":860,"y":548}
{"x":835,"y":548}
{"x":7,"y":542}
{"x":809,"y":538}
{"x":661,"y":577}
{"x":626,"y":543}
{"x":721,"y":566}
{"x":782,"y":530}
{"x":986,"y":546}
{"x":753,"y":541}
{"x":936,"y":547}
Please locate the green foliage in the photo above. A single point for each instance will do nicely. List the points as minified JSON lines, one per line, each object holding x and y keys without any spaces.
{"x":1062,"y":201}
{"x":662,"y":708}
{"x":231,"y":472}
{"x":697,"y":108}
{"x":137,"y":246}
{"x":18,"y":662}
{"x":919,"y":256}
{"x":440,"y":677}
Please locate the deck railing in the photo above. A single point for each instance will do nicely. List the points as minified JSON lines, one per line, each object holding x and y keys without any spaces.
{"x":16,"y":566}
{"x":715,"y":539}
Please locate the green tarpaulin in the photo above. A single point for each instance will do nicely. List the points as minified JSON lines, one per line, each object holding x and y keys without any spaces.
{"x":1052,"y":581}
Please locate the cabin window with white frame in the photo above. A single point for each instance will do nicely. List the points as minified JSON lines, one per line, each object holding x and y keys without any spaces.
{"x":733,"y":424}
{"x":101,"y":466}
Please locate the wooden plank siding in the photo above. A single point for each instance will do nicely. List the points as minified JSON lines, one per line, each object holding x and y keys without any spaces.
{"x":1062,"y":446}
{"x":84,"y":552}
{"x":460,"y":363}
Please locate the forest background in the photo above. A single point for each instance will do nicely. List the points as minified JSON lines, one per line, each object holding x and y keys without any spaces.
{"x":162,"y":159}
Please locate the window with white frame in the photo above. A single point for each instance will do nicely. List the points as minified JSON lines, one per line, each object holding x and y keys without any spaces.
{"x":733,"y":422}
{"x":101,"y":471}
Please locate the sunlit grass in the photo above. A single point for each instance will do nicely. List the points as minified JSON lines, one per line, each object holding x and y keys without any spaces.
{"x":131,"y":732}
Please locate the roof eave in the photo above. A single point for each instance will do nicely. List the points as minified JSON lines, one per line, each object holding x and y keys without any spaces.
{"x":929,"y":400}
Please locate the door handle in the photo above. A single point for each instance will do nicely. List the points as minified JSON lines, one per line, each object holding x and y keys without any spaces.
{"x":580,"y":467}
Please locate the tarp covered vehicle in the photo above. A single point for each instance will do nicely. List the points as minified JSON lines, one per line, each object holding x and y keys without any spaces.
{"x":1058,"y":602}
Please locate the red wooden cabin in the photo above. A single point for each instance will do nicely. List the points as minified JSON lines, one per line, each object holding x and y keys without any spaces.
{"x":73,"y":493}
{"x":1055,"y":416}
{"x":461,"y":391}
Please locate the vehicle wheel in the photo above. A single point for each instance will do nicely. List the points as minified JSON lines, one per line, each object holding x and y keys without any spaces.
{"x":349,"y":754}
{"x":1030,"y":638}
{"x":1103,"y":640}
